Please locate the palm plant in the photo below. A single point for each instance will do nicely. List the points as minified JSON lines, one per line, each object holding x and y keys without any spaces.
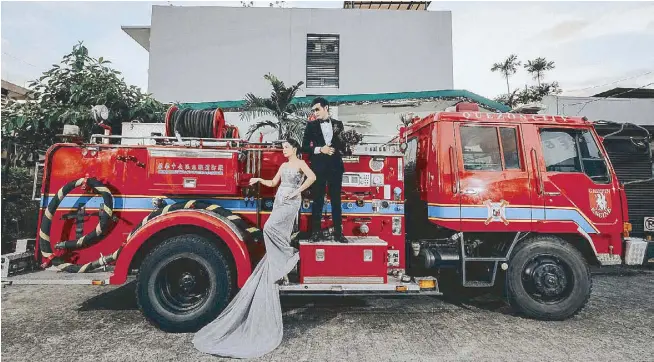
{"x":508,"y":67}
{"x":538,"y":67}
{"x":290,"y":117}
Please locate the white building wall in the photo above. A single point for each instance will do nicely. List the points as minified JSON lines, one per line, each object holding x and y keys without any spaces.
{"x":205,"y":54}
{"x":632,"y":110}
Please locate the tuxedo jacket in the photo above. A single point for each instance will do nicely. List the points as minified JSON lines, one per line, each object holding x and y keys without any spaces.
{"x":322,"y":163}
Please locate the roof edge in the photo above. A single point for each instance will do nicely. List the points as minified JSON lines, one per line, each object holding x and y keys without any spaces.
{"x":140,"y":34}
{"x":371,"y":97}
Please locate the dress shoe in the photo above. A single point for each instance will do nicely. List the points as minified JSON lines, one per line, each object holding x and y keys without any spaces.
{"x":339,"y":237}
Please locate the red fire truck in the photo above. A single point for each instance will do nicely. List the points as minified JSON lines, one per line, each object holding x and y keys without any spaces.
{"x":524,"y":201}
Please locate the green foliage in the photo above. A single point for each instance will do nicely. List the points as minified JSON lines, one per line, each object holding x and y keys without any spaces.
{"x":290,"y":118}
{"x":530,"y":94}
{"x":507,"y":67}
{"x":19,"y":212}
{"x":537,"y":68}
{"x":65,"y":94}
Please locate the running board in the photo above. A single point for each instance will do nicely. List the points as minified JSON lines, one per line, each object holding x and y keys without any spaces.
{"x":394,"y":287}
{"x":55,"y":277}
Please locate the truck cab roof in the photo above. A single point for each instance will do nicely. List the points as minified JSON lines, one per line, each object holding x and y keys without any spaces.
{"x":488,"y":117}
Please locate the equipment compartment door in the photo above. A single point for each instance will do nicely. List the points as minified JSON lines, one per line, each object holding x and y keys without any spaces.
{"x":494,"y":184}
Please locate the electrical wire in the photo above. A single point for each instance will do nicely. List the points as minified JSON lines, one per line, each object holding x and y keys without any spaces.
{"x":614,"y":82}
{"x":602,"y":98}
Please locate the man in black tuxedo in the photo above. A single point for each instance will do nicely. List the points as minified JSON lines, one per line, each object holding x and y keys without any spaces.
{"x":325,"y":148}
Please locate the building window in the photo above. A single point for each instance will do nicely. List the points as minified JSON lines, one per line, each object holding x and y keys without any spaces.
{"x":322,"y":60}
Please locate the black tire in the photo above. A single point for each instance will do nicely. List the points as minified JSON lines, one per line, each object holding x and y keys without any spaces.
{"x":184,"y":283}
{"x":548,"y":279}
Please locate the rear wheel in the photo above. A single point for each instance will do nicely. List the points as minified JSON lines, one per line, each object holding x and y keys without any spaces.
{"x":184,"y":283}
{"x":548,"y":279}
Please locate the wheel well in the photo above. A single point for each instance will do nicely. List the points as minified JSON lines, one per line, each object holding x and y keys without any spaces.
{"x":170,"y":232}
{"x":582,"y":245}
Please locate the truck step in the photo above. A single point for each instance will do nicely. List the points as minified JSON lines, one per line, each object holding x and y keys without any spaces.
{"x":477,"y":284}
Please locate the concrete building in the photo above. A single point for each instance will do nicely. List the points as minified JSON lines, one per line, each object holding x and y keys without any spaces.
{"x":606,"y":106}
{"x":209,"y":54}
{"x":373,"y":60}
{"x":13,"y":92}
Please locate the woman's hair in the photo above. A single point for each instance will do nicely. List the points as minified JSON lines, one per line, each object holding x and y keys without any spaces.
{"x":295,"y":144}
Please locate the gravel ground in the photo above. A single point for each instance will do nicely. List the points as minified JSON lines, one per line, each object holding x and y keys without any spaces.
{"x":46,"y":323}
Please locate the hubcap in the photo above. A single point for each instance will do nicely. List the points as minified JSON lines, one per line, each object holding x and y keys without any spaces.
{"x":547,"y":279}
{"x":187,"y":281}
{"x":183,"y":285}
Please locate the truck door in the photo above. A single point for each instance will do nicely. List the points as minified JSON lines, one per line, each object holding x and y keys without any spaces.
{"x":577,"y":187}
{"x":494,"y":185}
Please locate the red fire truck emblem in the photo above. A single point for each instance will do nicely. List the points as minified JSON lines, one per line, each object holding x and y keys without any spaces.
{"x":600,"y":202}
{"x":496,"y":211}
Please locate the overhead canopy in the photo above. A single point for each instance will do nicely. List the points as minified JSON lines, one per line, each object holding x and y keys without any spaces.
{"x":627,"y":93}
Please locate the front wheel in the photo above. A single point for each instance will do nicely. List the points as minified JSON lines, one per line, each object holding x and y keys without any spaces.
{"x":548,"y":279}
{"x":184,"y":283}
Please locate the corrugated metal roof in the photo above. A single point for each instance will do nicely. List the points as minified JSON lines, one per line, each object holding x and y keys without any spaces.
{"x":387,"y":5}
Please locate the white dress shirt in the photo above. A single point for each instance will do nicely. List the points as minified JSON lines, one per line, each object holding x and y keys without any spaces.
{"x":327,"y":133}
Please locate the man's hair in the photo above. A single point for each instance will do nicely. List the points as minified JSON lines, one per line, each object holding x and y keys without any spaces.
{"x":320,"y":100}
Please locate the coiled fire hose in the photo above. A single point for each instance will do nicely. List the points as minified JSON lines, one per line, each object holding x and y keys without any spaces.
{"x":252,"y":233}
{"x":198,"y":123}
{"x":105,"y":213}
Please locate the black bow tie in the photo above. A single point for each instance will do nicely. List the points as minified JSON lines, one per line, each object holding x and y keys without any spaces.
{"x":324,"y":120}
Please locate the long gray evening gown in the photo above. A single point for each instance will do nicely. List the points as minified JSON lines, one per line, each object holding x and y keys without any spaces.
{"x":251,"y":325}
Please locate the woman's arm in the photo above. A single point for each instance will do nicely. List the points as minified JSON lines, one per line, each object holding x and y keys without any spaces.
{"x":270,"y":183}
{"x":311,"y":178}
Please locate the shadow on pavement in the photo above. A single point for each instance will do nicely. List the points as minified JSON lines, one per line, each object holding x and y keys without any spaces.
{"x":321,"y":302}
{"x":618,"y":271}
{"x":123,"y":298}
{"x":303,"y":313}
{"x":488,"y":302}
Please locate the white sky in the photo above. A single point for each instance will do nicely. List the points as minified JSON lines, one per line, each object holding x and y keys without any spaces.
{"x":592,"y":43}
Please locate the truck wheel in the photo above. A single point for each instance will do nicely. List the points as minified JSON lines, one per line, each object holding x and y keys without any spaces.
{"x":183,"y":283}
{"x":548,"y":279}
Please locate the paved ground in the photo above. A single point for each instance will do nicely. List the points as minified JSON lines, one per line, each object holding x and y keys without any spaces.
{"x":46,"y":323}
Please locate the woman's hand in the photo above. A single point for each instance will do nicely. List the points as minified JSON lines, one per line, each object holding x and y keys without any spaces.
{"x":254,"y":180}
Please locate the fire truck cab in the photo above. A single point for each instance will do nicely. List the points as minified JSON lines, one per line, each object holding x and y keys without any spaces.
{"x":524,"y":202}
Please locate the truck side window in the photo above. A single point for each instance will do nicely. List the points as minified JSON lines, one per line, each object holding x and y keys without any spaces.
{"x":510,"y":148}
{"x":560,"y":151}
{"x":592,"y":160}
{"x":481,"y":148}
{"x":568,"y":150}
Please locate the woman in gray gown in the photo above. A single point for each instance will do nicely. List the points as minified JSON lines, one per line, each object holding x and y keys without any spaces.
{"x":251,"y":325}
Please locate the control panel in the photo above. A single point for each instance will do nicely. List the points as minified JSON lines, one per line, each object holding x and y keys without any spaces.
{"x":363,"y":179}
{"x":356,"y":179}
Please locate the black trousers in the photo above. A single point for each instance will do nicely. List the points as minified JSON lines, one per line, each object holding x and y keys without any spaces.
{"x":334,"y":181}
